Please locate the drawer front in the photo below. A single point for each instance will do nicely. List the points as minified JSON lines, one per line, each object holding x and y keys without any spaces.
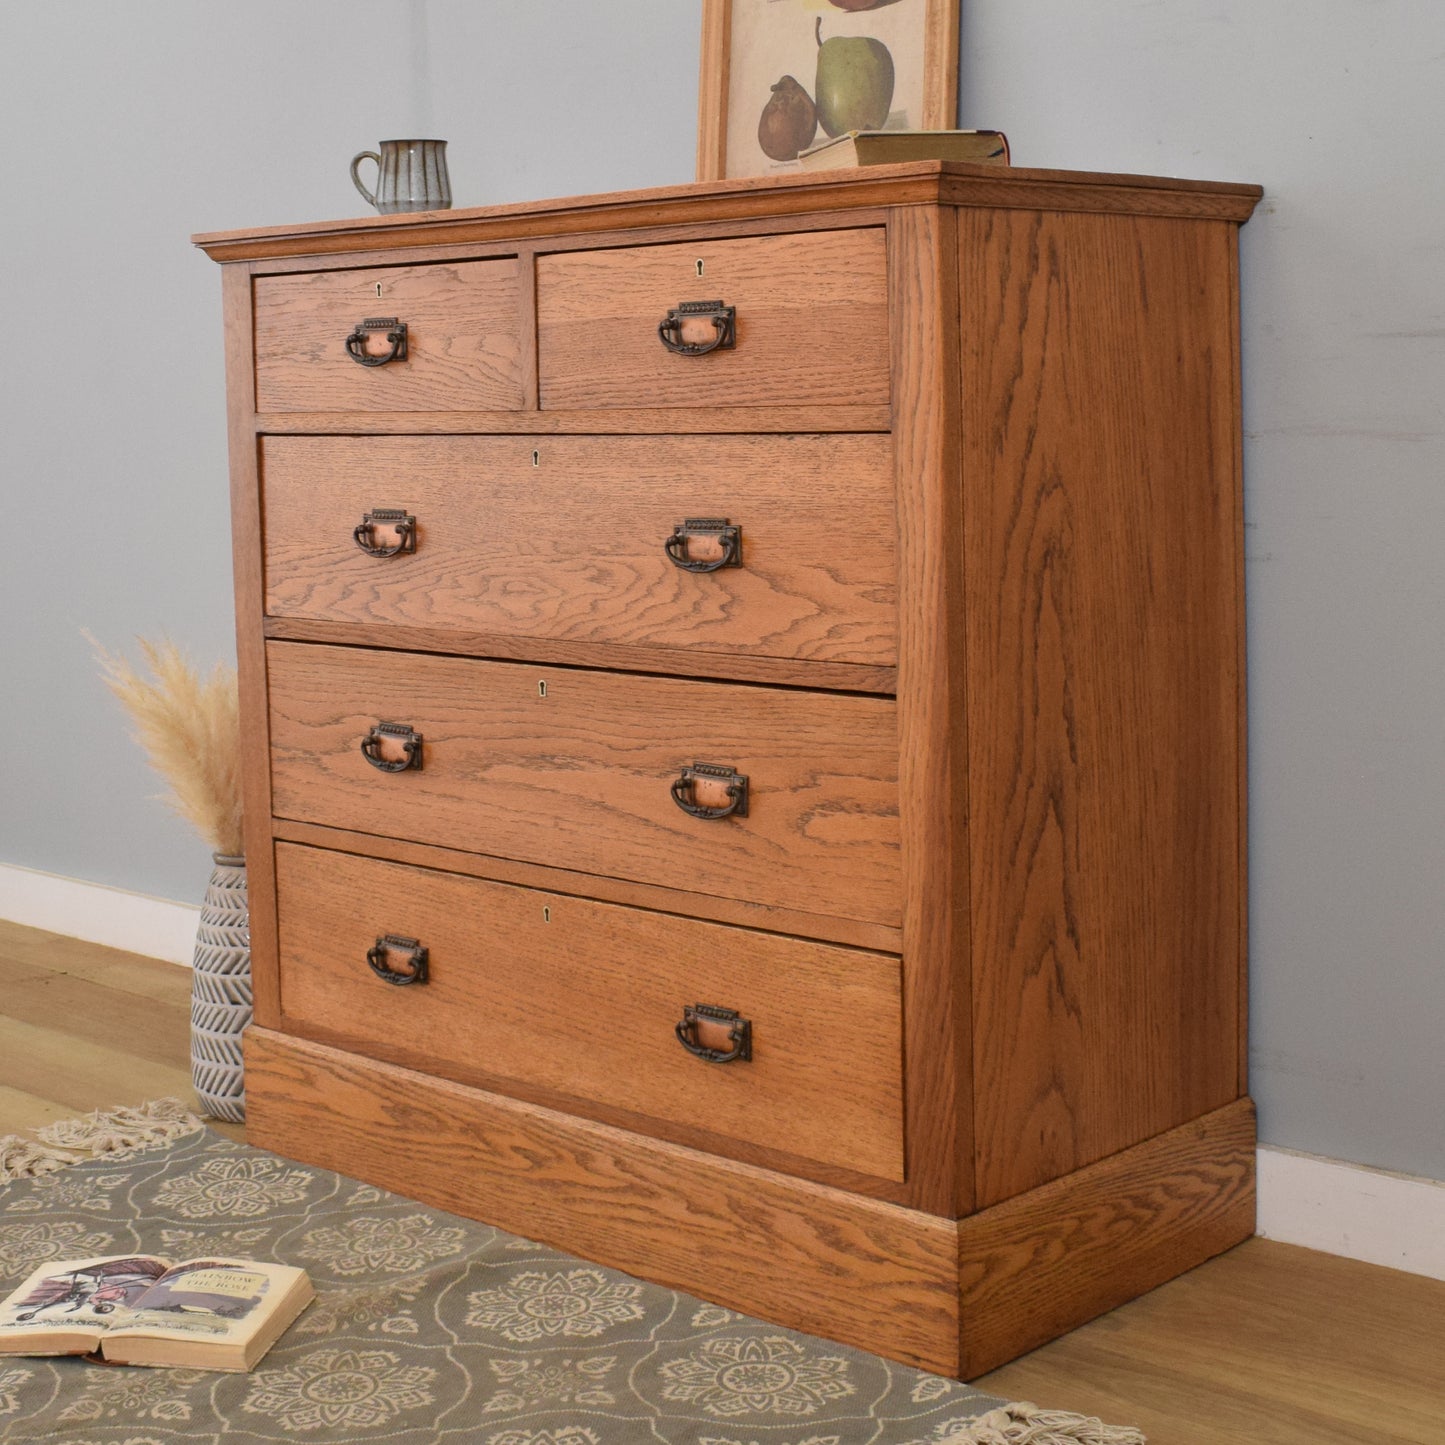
{"x":584,"y":999}
{"x":568,"y":537}
{"x":461,"y":349}
{"x":577,"y":769}
{"x":811,"y":323}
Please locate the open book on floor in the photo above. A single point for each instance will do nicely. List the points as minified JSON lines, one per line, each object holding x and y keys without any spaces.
{"x":199,"y":1314}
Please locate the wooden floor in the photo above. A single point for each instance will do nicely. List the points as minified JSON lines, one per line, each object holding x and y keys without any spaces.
{"x":1267,"y":1345}
{"x":84,"y":1027}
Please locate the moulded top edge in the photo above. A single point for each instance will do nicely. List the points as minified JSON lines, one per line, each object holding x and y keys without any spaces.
{"x":910,"y":183}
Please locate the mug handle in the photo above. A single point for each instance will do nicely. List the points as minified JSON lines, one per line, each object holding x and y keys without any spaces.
{"x":356,"y":161}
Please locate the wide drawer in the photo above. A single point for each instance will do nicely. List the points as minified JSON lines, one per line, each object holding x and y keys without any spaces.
{"x":584,"y":999}
{"x":584,"y":770}
{"x":461,"y":346}
{"x":578,"y":538}
{"x":810,"y":324}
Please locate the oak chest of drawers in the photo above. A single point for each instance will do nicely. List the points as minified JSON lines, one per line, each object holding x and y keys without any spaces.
{"x":744,"y":733}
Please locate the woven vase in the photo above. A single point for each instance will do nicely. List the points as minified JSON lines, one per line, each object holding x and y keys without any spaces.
{"x":221,"y":992}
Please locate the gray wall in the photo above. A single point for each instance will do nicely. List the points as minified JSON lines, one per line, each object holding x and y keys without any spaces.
{"x":130,"y":124}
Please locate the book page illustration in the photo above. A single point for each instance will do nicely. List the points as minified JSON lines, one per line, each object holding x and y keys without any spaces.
{"x":200,"y":1297}
{"x":79,"y":1293}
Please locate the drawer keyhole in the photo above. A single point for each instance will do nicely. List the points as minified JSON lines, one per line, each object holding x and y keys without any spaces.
{"x":699,"y":266}
{"x":546,"y":914}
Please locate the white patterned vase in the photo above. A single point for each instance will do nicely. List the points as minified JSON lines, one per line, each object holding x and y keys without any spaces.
{"x":221,"y":992}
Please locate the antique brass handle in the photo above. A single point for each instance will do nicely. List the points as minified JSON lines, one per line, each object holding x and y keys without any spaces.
{"x":684,"y":792}
{"x":395,"y":334}
{"x":383,"y":732}
{"x":402,"y":523}
{"x":699,"y":1016}
{"x":416,"y":956}
{"x":712,"y":529}
{"x":723,"y":318}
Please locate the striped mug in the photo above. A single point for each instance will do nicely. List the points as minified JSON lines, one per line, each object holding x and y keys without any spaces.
{"x":411,"y":175}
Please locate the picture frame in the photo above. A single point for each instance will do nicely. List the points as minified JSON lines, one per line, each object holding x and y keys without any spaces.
{"x":745,"y":41}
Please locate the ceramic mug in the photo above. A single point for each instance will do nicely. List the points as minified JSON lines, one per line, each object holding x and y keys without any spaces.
{"x":411,"y":175}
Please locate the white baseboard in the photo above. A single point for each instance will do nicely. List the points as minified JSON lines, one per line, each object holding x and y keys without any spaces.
{"x":1392,"y":1219}
{"x":136,"y":922}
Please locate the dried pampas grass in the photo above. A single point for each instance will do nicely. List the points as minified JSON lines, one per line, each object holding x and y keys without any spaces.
{"x":189,"y":726}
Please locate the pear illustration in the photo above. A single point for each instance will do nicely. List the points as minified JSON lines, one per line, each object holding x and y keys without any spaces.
{"x":856,"y":4}
{"x":854,"y":89}
{"x":789,"y":121}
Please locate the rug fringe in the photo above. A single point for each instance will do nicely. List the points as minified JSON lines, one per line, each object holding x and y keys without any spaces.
{"x":107,"y":1133}
{"x":22,"y":1158}
{"x":1025,"y":1424}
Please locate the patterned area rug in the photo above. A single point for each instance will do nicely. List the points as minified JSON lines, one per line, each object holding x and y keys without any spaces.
{"x":429,"y":1328}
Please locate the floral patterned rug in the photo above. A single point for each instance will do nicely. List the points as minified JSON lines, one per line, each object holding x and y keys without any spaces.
{"x":429,"y":1328}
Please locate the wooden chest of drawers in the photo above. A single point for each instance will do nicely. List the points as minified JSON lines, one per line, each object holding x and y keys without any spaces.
{"x":744,"y":726}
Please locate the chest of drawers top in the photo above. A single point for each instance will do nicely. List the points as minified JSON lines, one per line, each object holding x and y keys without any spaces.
{"x":553,"y":306}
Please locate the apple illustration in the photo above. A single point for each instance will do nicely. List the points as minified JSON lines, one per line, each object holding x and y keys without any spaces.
{"x":854,"y":88}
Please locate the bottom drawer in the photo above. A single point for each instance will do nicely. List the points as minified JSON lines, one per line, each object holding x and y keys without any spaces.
{"x":585,"y":999}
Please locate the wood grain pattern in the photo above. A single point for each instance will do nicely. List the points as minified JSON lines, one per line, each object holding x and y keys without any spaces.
{"x":527,"y":328}
{"x":940,"y":66}
{"x":563,"y":537}
{"x":582,"y":777}
{"x":1047,"y":822}
{"x":712,"y":89}
{"x":248,"y":570}
{"x":1100,"y":529}
{"x":463,"y":338}
{"x":1034,"y":1267}
{"x":1267,"y":1342}
{"x":799,"y":1254}
{"x":812,"y":323}
{"x":932,"y":711}
{"x":761,"y":198}
{"x":718,"y":228}
{"x":84,"y":1027}
{"x":741,"y":912}
{"x":614,"y":657}
{"x":621,"y":421}
{"x":582,"y":998}
{"x":1236,"y":493}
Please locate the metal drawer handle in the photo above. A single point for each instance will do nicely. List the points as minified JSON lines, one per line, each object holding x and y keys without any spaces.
{"x":395,"y":334}
{"x":684,"y":794}
{"x":740,"y":1033}
{"x":713,"y":529}
{"x":416,"y":957}
{"x":402,"y":523}
{"x":403,"y":733}
{"x":723,"y":318}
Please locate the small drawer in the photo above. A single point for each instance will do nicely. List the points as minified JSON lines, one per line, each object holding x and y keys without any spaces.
{"x":590,"y":539}
{"x":595,"y":771}
{"x":589,"y":1000}
{"x":441,"y":337}
{"x":808,"y":323}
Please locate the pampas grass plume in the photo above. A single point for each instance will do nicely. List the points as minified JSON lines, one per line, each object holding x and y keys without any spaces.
{"x":189,"y":727}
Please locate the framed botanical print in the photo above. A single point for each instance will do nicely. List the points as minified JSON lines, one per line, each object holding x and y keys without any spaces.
{"x":779,"y":76}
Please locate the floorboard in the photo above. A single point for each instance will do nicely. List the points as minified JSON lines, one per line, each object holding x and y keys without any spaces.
{"x":84,"y":1027}
{"x":1266,"y":1345}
